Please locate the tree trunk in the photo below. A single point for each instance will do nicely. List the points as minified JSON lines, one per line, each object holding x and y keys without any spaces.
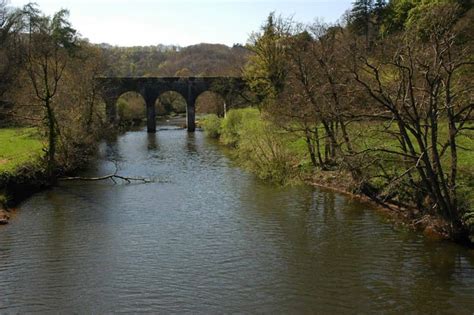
{"x":51,"y":158}
{"x":310,"y":146}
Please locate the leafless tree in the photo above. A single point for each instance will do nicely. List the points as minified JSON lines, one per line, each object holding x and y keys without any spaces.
{"x":426,"y":82}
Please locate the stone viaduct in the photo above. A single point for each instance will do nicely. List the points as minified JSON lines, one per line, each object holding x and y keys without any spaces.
{"x":150,"y":88}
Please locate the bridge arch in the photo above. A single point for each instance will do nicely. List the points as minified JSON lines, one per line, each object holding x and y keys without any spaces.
{"x":131,"y":107}
{"x":210,"y":102}
{"x":172,"y":101}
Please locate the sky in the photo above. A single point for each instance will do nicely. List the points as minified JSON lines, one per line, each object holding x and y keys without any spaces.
{"x":182,"y":22}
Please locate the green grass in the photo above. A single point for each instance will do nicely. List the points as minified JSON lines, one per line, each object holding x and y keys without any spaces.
{"x":18,"y":147}
{"x":369,"y":135}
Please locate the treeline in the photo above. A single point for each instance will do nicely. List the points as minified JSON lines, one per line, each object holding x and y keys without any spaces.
{"x":196,"y":60}
{"x":384,"y":101}
{"x":47,"y":81}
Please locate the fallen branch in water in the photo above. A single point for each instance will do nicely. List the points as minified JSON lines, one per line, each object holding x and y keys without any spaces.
{"x":112,"y":177}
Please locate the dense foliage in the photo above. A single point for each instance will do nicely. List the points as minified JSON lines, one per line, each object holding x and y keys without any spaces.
{"x":259,"y":145}
{"x":196,"y":60}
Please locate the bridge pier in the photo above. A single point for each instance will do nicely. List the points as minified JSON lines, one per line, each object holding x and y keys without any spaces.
{"x":150,"y":117}
{"x":191,"y":117}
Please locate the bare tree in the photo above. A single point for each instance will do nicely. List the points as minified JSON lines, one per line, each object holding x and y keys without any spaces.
{"x":424,"y":85}
{"x":50,"y":43}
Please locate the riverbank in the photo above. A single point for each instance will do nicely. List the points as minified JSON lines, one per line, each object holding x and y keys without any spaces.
{"x":21,"y":170}
{"x":430,"y":226}
{"x":22,"y":165}
{"x":281,"y":156}
{"x":19,"y":146}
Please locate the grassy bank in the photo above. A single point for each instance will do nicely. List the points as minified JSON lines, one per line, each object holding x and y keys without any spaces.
{"x":281,"y":156}
{"x":20,"y":149}
{"x":259,"y":146}
{"x":19,"y":146}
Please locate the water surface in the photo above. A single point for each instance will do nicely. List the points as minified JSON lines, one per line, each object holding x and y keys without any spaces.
{"x":208,"y":237}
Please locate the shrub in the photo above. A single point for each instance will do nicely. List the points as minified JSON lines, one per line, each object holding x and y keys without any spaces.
{"x":232,"y":124}
{"x":212,"y":125}
{"x":259,"y":145}
{"x":130,"y":107}
{"x":264,"y":149}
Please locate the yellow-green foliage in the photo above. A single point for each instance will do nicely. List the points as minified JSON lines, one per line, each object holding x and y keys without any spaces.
{"x":260,"y":146}
{"x":131,"y":106}
{"x":212,"y":125}
{"x":431,"y":17}
{"x":274,"y":154}
{"x":18,"y":147}
{"x":264,"y":149}
{"x":231,"y":125}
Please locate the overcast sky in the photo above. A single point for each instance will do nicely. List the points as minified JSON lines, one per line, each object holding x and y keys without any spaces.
{"x":182,"y":22}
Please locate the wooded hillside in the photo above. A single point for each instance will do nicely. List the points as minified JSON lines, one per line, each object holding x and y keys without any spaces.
{"x":160,"y":60}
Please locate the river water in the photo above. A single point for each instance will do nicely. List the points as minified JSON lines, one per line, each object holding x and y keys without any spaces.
{"x":208,"y":237}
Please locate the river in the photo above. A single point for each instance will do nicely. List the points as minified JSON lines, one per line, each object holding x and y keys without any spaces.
{"x":208,"y":237}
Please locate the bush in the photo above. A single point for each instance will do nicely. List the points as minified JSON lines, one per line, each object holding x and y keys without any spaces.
{"x":264,"y":149}
{"x":259,"y":145}
{"x":130,"y":107}
{"x":232,"y":124}
{"x":212,"y":125}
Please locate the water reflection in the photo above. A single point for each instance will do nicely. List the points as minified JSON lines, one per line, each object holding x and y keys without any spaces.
{"x":152,"y":141}
{"x":191,"y":143}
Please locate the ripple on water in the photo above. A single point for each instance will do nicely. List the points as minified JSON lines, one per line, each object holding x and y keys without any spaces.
{"x":208,"y":237}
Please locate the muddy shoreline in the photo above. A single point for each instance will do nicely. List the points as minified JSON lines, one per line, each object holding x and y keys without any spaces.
{"x":431,"y":226}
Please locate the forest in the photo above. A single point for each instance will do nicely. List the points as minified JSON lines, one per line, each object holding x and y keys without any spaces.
{"x":379,"y":104}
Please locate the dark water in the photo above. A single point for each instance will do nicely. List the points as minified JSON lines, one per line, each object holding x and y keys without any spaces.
{"x":207,"y":237}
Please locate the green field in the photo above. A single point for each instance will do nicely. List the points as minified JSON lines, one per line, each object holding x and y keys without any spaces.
{"x":19,"y":146}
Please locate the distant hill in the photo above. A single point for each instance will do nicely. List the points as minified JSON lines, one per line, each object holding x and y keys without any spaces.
{"x":162,"y":60}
